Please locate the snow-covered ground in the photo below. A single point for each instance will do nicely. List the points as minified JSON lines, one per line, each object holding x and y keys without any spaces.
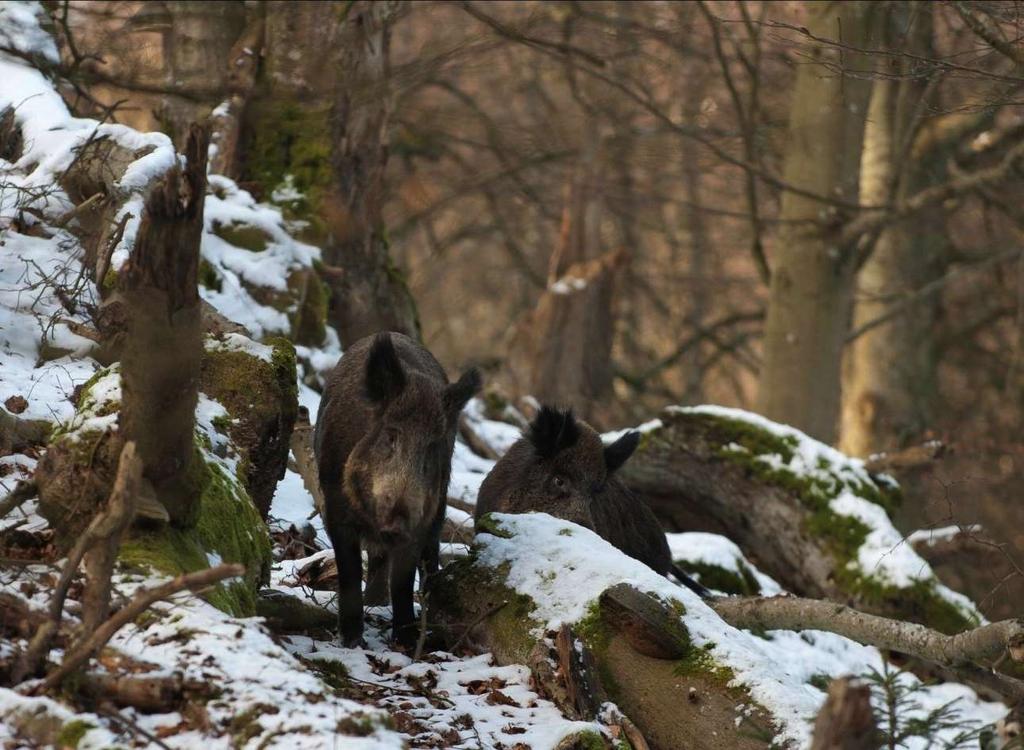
{"x":270,"y":695}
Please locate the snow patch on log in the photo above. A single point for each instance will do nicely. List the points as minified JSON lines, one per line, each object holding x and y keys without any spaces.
{"x":881,"y":559}
{"x":700,"y":553}
{"x":563,"y":569}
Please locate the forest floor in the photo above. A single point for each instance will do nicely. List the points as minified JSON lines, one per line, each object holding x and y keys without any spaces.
{"x":250,"y":687}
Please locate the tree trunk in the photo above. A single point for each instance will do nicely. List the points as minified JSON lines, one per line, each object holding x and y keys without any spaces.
{"x":161,"y":361}
{"x":371,"y":294}
{"x":317,"y":123}
{"x":812,"y":278}
{"x":560,"y":351}
{"x":846,"y":722}
{"x":198,"y":56}
{"x":890,"y":371}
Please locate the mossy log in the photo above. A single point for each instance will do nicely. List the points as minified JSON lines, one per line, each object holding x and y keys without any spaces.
{"x":261,"y":399}
{"x":75,"y":477}
{"x":704,"y":470}
{"x":681,"y":701}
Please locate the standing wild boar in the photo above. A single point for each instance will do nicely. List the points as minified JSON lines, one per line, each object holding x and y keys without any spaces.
{"x":384,"y":439}
{"x":561,"y":467}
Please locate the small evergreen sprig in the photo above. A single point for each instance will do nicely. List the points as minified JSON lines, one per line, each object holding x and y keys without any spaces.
{"x":902,"y":716}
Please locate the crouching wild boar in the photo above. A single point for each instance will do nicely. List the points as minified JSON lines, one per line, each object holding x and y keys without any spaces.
{"x":383,"y":442}
{"x":561,"y":467}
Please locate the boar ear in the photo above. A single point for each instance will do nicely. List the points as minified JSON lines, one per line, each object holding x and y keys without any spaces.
{"x":553,"y":431}
{"x":385,"y":377}
{"x":462,"y":390}
{"x":619,"y":452}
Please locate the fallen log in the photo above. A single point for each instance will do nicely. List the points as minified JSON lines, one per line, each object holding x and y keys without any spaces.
{"x":799,"y":510}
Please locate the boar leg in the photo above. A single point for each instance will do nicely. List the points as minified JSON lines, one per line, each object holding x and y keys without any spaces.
{"x":403,"y":583}
{"x":376,"y":594}
{"x":350,"y":586}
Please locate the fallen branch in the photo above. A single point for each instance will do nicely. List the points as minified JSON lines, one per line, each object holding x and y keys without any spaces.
{"x":305,"y":458}
{"x":987,"y":642}
{"x":106,"y":527}
{"x":142,"y":601}
{"x":908,"y":458}
{"x":23,"y":490}
{"x":476,"y":441}
{"x":104,"y":541}
{"x":145,"y":693}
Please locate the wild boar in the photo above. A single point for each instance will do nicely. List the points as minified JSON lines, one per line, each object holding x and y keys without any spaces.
{"x":562,"y":468}
{"x":384,"y":438}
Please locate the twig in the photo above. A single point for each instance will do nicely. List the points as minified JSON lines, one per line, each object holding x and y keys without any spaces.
{"x":142,"y":601}
{"x":105,"y":526}
{"x":23,"y":490}
{"x":477,"y":621}
{"x":132,"y":727}
{"x":63,"y":220}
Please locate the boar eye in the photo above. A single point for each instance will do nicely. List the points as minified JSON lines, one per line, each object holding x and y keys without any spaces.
{"x":391,"y":436}
{"x":560,"y":483}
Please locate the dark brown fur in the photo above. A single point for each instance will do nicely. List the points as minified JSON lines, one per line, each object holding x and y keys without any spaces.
{"x":384,"y":437}
{"x":561,"y":467}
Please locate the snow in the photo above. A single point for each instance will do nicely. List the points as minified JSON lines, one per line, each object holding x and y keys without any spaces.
{"x":884,"y":555}
{"x":564,"y":568}
{"x":498,"y":435}
{"x":464,"y":712}
{"x":715,"y":549}
{"x":288,"y":704}
{"x":28,"y":304}
{"x":21,"y":30}
{"x":235,"y":342}
{"x":610,"y":437}
{"x":941,"y":534}
{"x":292,"y":505}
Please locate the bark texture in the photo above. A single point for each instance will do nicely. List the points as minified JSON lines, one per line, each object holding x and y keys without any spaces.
{"x":160,"y":366}
{"x":690,"y":473}
{"x":670,"y":702}
{"x":560,"y":352}
{"x":846,"y":721}
{"x":890,"y":374}
{"x":812,"y":275}
{"x":371,"y":294}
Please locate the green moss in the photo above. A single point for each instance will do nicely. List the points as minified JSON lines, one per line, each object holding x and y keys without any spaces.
{"x":309,"y":317}
{"x":246,"y":725}
{"x":291,"y":138}
{"x":283,"y":361}
{"x":592,"y":630}
{"x":841,"y":535}
{"x":488,"y":525}
{"x":699,"y":661}
{"x":920,"y":601}
{"x":244,"y":236}
{"x":255,"y":394}
{"x":109,"y":281}
{"x":73,"y":732}
{"x":357,"y":725}
{"x":334,"y":673}
{"x":227,"y":525}
{"x":208,"y":276}
{"x":720,"y":579}
{"x":820,"y":681}
{"x":588,"y":740}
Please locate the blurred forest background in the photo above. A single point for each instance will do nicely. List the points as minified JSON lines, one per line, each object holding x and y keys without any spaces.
{"x":812,"y":210}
